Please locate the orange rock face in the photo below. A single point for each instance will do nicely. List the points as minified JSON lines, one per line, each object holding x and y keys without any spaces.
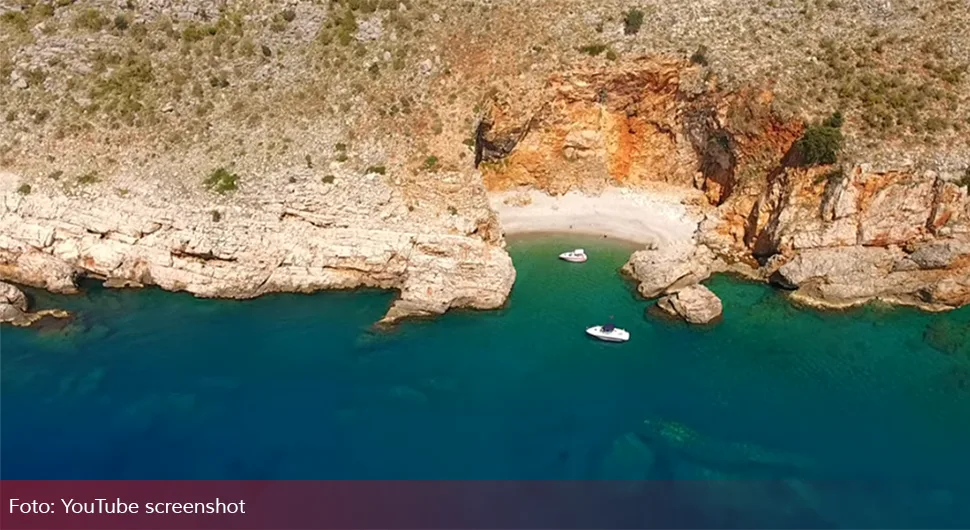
{"x":598,"y":127}
{"x":651,"y":122}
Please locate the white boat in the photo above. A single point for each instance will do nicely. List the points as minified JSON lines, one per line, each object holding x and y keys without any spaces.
{"x":575,"y":256}
{"x":609,"y":333}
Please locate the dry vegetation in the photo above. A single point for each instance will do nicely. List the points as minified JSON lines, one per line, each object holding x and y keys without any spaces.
{"x":147,"y":88}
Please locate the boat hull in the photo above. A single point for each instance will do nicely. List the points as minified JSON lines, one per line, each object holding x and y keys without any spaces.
{"x":623,"y":336}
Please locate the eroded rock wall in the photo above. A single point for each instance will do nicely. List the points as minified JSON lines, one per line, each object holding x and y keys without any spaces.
{"x":358,"y":237}
{"x":838,"y":235}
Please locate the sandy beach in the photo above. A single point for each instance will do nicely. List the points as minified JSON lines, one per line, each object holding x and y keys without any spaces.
{"x":618,"y":213}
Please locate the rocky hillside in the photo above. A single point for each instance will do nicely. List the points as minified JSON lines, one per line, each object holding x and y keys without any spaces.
{"x":239,"y":147}
{"x":132,"y":86}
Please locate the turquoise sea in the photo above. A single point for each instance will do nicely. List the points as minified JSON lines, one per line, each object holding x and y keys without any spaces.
{"x":776,"y":414}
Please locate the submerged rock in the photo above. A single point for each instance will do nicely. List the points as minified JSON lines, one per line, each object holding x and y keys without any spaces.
{"x":628,"y":459}
{"x":947,"y":336}
{"x":695,"y":304}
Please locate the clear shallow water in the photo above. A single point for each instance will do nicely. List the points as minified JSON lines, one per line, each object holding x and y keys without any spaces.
{"x":148,"y":384}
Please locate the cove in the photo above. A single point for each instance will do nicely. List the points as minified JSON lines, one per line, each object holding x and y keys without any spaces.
{"x":155,"y":385}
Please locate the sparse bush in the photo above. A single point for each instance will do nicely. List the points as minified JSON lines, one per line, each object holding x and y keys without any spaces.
{"x":288,"y":15}
{"x":277,"y":25}
{"x":328,"y":179}
{"x":42,"y":10}
{"x":15,"y":19}
{"x":195,"y":32}
{"x":611,"y":55}
{"x":24,"y":189}
{"x":452,"y":210}
{"x":835,"y":120}
{"x":965,"y":179}
{"x":41,"y":116}
{"x":88,"y":178}
{"x":55,"y":175}
{"x":221,"y":180}
{"x":593,"y":49}
{"x":819,"y":145}
{"x":936,"y":124}
{"x":266,"y":51}
{"x":90,"y":19}
{"x":380,"y":170}
{"x":216,"y":216}
{"x":121,"y":22}
{"x":700,"y":56}
{"x":431,"y":163}
{"x":632,"y":21}
{"x":309,"y":162}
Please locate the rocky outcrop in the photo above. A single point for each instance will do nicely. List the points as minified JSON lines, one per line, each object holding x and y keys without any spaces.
{"x":255,"y":248}
{"x":13,"y":303}
{"x":667,"y":268}
{"x":696,"y":304}
{"x":14,"y":310}
{"x":843,"y":240}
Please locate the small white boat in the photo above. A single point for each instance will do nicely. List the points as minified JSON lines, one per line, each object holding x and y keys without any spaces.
{"x":575,"y":256}
{"x":609,"y":333}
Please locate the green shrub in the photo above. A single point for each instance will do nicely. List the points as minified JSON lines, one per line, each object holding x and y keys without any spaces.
{"x":340,"y":147}
{"x":834,"y":121}
{"x":819,"y":145}
{"x":221,"y":180}
{"x":289,"y":15}
{"x":632,"y":21}
{"x":309,"y":162}
{"x":55,"y":175}
{"x":611,"y":55}
{"x":24,"y":189}
{"x":593,"y":49}
{"x":380,"y":170}
{"x":216,"y":216}
{"x":328,"y":179}
{"x":431,"y":163}
{"x":452,"y":210}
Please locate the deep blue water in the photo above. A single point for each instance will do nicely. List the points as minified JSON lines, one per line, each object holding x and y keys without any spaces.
{"x":864,"y":416}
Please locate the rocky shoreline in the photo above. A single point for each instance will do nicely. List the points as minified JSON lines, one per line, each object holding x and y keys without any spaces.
{"x":718,"y":193}
{"x":14,"y":308}
{"x":50,"y":241}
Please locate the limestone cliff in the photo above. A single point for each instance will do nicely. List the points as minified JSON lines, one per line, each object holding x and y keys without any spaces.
{"x":837,"y":236}
{"x":337,"y":236}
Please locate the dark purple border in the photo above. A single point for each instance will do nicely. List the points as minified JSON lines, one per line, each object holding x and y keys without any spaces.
{"x":458,"y":504}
